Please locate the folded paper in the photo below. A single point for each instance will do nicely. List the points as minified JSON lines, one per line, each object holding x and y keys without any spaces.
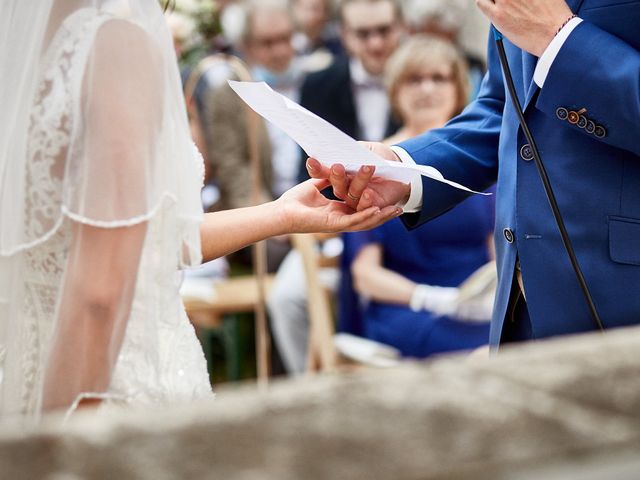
{"x":321,"y":140}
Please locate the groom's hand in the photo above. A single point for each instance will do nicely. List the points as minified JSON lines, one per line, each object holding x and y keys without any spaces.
{"x":363,"y":190}
{"x":529,"y":24}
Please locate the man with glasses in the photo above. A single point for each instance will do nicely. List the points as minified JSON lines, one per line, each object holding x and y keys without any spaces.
{"x":266,"y":42}
{"x":349,"y":94}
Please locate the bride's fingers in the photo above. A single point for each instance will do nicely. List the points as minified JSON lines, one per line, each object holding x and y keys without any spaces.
{"x":316,"y":169}
{"x":367,"y":219}
{"x":379,"y":218}
{"x":320,"y":183}
{"x":339,"y":180}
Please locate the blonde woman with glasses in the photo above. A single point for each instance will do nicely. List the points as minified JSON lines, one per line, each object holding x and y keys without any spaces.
{"x":411,"y":279}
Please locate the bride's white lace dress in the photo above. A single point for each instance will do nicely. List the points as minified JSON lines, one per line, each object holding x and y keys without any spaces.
{"x":160,"y":359}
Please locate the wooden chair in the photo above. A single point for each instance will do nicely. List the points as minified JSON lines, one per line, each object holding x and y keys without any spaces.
{"x":229,"y":298}
{"x":251,"y":291}
{"x":322,"y":355}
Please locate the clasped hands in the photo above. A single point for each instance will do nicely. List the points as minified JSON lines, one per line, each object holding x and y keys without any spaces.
{"x":363,"y":190}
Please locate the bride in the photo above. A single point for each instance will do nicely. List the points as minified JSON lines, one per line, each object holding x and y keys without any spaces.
{"x":100,"y":207}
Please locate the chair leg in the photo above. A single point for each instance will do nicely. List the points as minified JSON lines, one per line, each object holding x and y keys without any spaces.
{"x":234,"y":348}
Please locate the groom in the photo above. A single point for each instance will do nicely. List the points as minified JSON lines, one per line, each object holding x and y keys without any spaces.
{"x":576,"y":67}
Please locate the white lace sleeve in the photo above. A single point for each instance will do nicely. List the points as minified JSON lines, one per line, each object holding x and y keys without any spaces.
{"x":111,"y":170}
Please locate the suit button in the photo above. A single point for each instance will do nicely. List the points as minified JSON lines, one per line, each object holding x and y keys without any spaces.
{"x":508,"y":235}
{"x":600,"y":131}
{"x":573,"y":117}
{"x":526,"y":152}
{"x":591,"y":126}
{"x":582,"y":121}
{"x":562,"y":113}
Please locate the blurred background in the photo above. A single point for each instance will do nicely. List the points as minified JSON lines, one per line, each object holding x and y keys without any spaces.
{"x":379,"y":70}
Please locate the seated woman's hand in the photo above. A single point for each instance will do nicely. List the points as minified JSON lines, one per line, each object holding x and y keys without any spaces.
{"x":303,"y":209}
{"x":362,"y":190}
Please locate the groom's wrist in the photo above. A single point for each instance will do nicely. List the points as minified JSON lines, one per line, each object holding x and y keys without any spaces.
{"x":413,"y":202}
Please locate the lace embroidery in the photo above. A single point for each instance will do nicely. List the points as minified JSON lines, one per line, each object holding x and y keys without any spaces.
{"x":160,"y":358}
{"x":49,"y":135}
{"x":51,"y":122}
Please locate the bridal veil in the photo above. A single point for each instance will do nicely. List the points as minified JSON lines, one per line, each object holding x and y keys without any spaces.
{"x":95,"y":139}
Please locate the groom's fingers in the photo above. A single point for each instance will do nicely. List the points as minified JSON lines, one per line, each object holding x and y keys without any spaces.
{"x":369,"y":199}
{"x":358,"y":184}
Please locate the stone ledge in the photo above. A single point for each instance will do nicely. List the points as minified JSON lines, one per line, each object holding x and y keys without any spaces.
{"x":533,"y":410}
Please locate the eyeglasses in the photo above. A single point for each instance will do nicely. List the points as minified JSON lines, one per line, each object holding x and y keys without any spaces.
{"x":382,"y":31}
{"x":437,"y":79}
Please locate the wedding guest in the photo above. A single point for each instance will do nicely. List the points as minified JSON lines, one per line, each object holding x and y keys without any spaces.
{"x":316,"y":39}
{"x":411,"y":278}
{"x":349,"y":94}
{"x":445,"y":19}
{"x":266,"y":43}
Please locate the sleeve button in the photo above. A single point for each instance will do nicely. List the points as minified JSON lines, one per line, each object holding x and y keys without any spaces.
{"x":562,"y":113}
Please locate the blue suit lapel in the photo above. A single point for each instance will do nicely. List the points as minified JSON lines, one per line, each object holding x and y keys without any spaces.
{"x":529,"y":63}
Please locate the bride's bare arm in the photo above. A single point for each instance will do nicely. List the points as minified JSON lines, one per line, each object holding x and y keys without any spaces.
{"x":112,"y":157}
{"x":302,"y":209}
{"x":94,"y":307}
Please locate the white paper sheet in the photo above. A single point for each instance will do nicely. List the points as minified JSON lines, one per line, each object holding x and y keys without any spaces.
{"x":321,"y":140}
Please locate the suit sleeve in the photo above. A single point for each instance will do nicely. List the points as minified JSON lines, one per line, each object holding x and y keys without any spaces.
{"x":597,"y":71}
{"x":465,"y":150}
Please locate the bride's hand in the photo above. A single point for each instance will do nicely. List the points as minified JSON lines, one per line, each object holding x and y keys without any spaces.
{"x":304,"y":209}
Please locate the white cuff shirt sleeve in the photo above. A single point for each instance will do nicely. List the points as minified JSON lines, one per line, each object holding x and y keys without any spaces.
{"x":414,"y":203}
{"x":546,"y":59}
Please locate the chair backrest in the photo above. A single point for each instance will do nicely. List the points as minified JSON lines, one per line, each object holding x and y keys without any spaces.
{"x":242,"y":73}
{"x":321,"y":352}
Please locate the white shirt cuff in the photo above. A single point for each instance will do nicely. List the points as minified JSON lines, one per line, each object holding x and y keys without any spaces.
{"x":546,"y":59}
{"x":414,"y":203}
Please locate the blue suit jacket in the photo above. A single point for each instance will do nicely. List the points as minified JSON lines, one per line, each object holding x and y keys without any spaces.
{"x":596,"y":178}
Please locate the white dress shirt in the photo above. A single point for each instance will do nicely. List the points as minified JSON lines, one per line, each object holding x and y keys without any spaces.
{"x":371,"y":102}
{"x":414,"y":203}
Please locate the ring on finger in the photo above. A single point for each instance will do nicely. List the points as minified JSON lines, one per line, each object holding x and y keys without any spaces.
{"x":353,"y":197}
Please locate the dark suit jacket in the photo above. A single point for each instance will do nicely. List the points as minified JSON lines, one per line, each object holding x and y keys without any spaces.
{"x":328,"y":94}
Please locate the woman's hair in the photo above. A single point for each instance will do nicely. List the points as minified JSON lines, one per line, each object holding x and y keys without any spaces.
{"x":423,"y":50}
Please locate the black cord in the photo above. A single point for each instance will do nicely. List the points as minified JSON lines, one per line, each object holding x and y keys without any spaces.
{"x":547,"y":184}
